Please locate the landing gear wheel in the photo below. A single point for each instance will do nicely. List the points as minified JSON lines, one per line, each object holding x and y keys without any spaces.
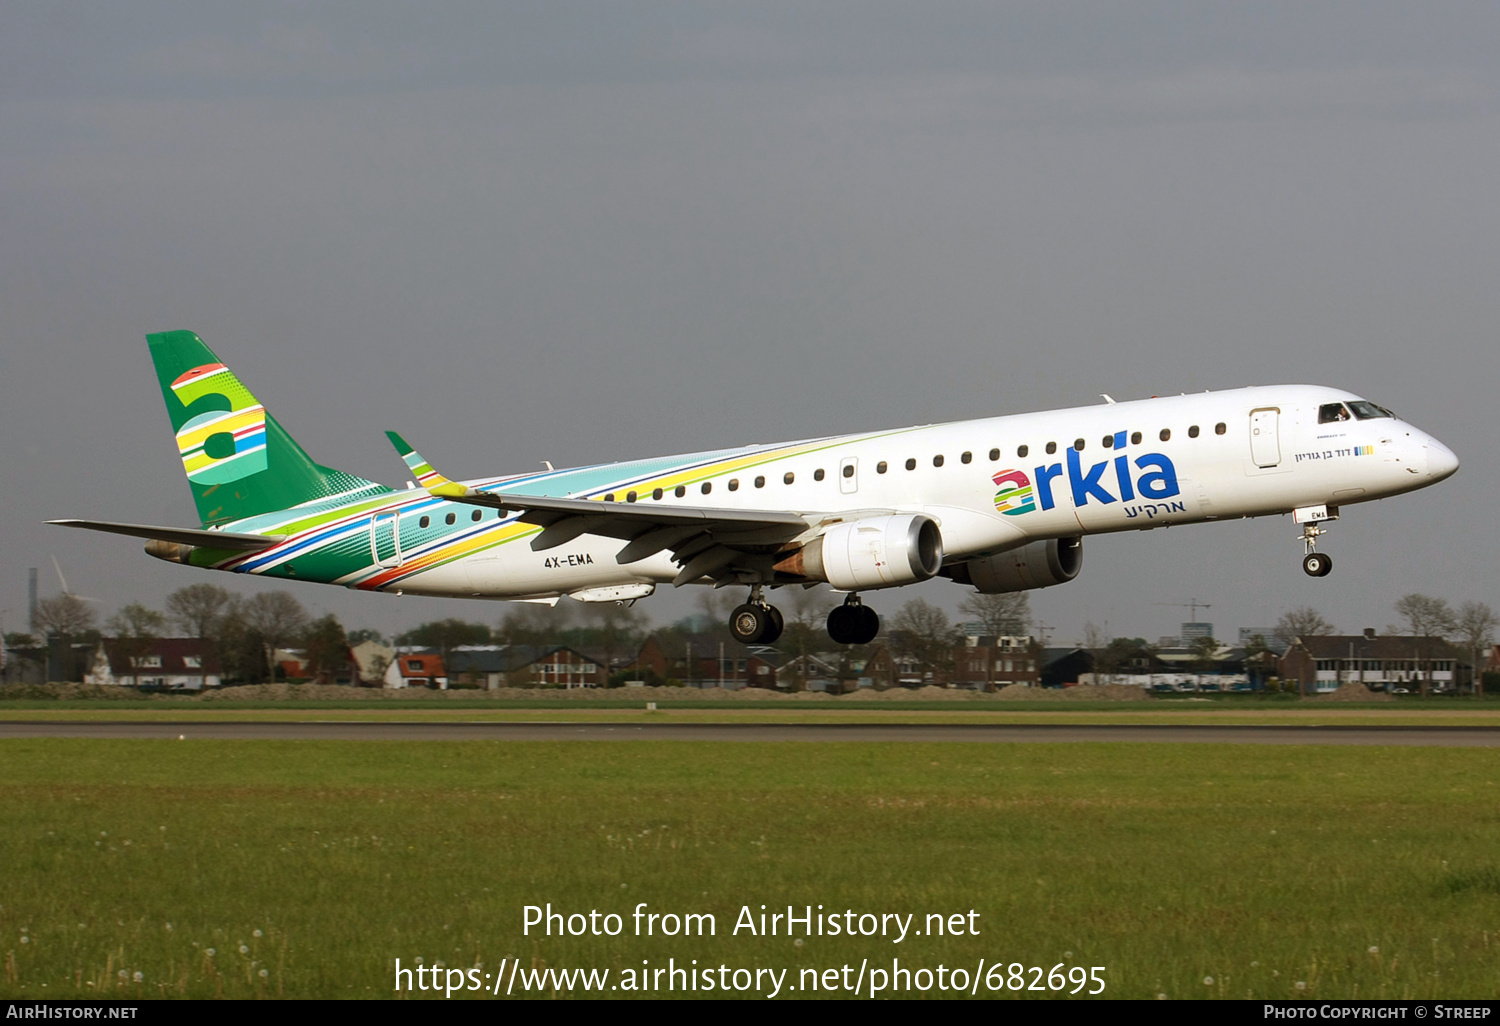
{"x":773,"y":626}
{"x":843,"y":624}
{"x":1316,"y":564}
{"x":851,"y":624}
{"x":749,"y":623}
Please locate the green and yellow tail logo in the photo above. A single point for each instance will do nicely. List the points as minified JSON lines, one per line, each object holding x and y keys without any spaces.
{"x":220,"y":445}
{"x":239,"y":461}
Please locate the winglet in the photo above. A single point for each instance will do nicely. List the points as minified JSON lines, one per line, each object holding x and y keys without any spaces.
{"x":435,"y":483}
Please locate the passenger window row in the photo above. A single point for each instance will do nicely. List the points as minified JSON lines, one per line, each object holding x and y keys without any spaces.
{"x":452,"y":518}
{"x":790,"y":477}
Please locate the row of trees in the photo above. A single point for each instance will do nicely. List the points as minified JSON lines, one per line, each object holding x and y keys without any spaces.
{"x":1470,"y":628}
{"x":246,"y":632}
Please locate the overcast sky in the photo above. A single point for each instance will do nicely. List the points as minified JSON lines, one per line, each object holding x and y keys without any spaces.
{"x":582,"y":232}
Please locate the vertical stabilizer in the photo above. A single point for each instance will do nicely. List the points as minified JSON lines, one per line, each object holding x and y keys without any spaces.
{"x":239,"y":461}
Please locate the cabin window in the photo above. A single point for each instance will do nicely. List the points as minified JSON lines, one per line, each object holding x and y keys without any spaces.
{"x":937,"y":461}
{"x":424,"y":522}
{"x":1193,"y":431}
{"x":994,"y":455}
{"x":1135,"y":438}
{"x":476,"y":515}
{"x":1078,"y":444}
{"x":1051,"y":448}
{"x":788,"y":478}
{"x":734,"y":484}
{"x":818,"y":474}
{"x":680,"y":491}
{"x":1368,"y":411}
{"x":911,"y":464}
{"x":656,"y":493}
{"x":450,"y":518}
{"x":1108,"y":441}
{"x":1022,"y":450}
{"x":1220,"y":428}
{"x":1166,"y":434}
{"x":967,"y":457}
{"x":880,"y":468}
{"x":849,"y":470}
{"x":707,"y":487}
{"x":1332,"y":413}
{"x":760,"y":482}
{"x":610,"y":497}
{"x":630,"y":496}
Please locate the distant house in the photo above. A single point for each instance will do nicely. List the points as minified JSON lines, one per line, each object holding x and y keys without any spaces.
{"x":416,"y":670}
{"x":185,"y":664}
{"x":818,"y":672}
{"x":1380,"y":663}
{"x":497,"y":666}
{"x":706,"y":661}
{"x":997,"y":661}
{"x":1062,"y":666}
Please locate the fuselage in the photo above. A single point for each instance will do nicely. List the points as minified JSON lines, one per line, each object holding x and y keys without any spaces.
{"x":990,"y":484}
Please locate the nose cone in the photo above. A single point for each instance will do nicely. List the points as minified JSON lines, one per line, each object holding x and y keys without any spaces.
{"x":1441,"y":462}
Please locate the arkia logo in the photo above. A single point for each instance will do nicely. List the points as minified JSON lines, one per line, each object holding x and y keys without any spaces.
{"x":1015,"y":495}
{"x":1152,"y":477}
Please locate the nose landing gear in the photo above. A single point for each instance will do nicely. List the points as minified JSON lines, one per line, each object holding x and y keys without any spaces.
{"x":853,"y":623}
{"x":757,"y":622}
{"x":1314,"y":563}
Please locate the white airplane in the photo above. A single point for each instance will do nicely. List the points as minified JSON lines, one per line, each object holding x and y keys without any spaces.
{"x":999,"y":504}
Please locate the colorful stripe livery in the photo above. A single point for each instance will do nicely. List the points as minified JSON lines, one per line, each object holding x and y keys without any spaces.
{"x":218,"y":446}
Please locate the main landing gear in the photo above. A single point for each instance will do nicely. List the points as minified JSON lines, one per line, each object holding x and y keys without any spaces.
{"x":1314,"y":563}
{"x":757,"y":622}
{"x":853,"y":623}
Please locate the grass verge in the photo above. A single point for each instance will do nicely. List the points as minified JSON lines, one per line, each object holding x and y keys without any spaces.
{"x":305,"y":869}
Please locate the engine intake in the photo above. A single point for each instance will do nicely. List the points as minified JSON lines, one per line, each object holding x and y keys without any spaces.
{"x":1038,"y":564}
{"x":876,"y":552}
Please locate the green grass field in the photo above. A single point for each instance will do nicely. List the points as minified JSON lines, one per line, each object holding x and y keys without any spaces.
{"x":310,"y":867}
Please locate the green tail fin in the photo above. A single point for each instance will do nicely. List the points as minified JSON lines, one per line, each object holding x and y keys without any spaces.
{"x":239,"y":461}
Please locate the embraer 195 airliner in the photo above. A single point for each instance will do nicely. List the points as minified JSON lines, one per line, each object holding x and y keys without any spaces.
{"x":999,"y":504}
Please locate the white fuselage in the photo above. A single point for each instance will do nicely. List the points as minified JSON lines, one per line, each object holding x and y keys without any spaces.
{"x":1113,"y":467}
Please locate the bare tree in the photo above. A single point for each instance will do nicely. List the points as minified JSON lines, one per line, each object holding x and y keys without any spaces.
{"x":924,"y":632}
{"x":277,"y":617}
{"x":1424,"y":618}
{"x":1302,"y":622}
{"x":1101,"y":652}
{"x":806,"y":625}
{"x":328,"y":648}
{"x":716,"y":603}
{"x":1205,"y":652}
{"x":1475,"y":628}
{"x":1006,"y":613}
{"x":614,"y":625}
{"x":136,"y":630}
{"x":198,"y":611}
{"x":532,"y":623}
{"x":64,"y":616}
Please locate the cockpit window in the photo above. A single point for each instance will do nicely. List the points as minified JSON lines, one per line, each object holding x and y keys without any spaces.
{"x":1368,"y":411}
{"x":1330,"y":413}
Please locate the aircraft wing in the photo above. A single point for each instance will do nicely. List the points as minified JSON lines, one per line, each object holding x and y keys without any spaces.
{"x":704,"y":541}
{"x":181,"y":535}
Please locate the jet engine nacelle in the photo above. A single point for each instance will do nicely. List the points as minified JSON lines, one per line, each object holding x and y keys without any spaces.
{"x":875,"y":552}
{"x":1038,"y":564}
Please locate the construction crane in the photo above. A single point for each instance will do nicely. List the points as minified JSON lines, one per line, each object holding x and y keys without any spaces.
{"x":1191,"y":604}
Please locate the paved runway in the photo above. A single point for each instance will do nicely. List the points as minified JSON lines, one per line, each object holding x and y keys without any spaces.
{"x":325,"y":730}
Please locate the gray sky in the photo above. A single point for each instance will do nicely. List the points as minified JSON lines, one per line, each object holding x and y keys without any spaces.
{"x":581,"y":232}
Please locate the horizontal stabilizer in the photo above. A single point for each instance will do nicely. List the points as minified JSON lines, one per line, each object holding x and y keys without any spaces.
{"x":181,"y":535}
